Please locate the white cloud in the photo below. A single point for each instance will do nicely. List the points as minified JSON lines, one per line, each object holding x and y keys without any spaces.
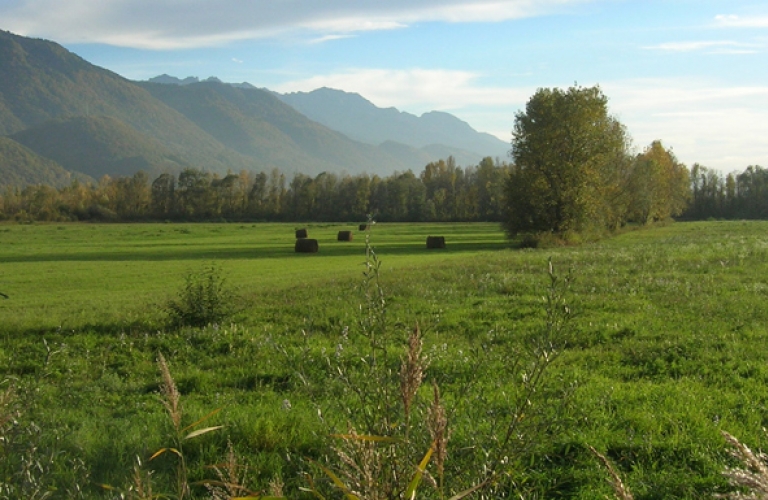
{"x":719,"y":46}
{"x":169,"y":24}
{"x":421,"y":89}
{"x":721,"y":127}
{"x":734,"y":21}
{"x":329,"y":38}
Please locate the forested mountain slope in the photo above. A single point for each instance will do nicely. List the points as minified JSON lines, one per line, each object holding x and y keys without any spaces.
{"x":96,"y":145}
{"x":253,"y":122}
{"x":91,"y":120}
{"x":22,"y":166}
{"x":41,"y":81}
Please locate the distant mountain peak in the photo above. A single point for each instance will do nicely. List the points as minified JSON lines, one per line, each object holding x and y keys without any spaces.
{"x":167,"y":79}
{"x":358,"y":118}
{"x":172,"y":80}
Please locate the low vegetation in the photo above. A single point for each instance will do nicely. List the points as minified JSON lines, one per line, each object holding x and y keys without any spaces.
{"x":205,"y":299}
{"x":476,"y":371}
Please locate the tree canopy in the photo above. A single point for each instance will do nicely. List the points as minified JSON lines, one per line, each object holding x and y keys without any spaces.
{"x":573,"y":169}
{"x":567,"y":150}
{"x":443,"y":191}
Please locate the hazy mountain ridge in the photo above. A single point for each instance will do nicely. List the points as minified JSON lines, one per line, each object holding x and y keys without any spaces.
{"x":167,"y":79}
{"x":358,"y":118}
{"x":42,"y":81}
{"x":255,"y":123}
{"x":84,"y":118}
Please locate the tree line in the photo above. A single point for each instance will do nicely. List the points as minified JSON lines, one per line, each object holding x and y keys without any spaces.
{"x":736,"y":195}
{"x":572,"y":170}
{"x":443,"y":191}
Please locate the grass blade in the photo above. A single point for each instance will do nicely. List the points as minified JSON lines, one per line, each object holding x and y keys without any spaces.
{"x":414,"y":484}
{"x":467,"y":492}
{"x":163,"y":450}
{"x":359,"y":437}
{"x":337,"y":481}
{"x":200,"y":432}
{"x":190,"y":426}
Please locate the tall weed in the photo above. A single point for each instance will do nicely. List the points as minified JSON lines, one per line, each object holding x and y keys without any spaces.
{"x":396,"y":444}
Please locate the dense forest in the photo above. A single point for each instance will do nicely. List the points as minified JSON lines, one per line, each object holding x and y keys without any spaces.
{"x":443,"y":191}
{"x":734,"y":196}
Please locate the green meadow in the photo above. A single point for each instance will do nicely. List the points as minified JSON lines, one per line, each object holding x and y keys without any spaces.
{"x":655,"y":341}
{"x":77,"y":275}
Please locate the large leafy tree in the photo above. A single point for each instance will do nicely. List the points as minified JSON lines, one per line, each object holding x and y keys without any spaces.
{"x":570,"y":162}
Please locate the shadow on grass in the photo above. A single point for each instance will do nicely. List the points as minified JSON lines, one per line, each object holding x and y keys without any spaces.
{"x":327,"y":249}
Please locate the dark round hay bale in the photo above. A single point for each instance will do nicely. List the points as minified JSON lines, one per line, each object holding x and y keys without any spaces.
{"x":435,"y":241}
{"x":344,"y":236}
{"x":301,"y":233}
{"x":363,"y":227}
{"x":305,"y":245}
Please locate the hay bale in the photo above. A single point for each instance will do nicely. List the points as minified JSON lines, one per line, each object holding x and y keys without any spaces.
{"x":363,"y":227}
{"x":305,"y":245}
{"x":301,"y":233}
{"x":435,"y":241}
{"x":344,"y":236}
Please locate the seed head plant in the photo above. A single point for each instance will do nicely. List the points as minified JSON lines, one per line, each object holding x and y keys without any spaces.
{"x":751,"y":478}
{"x":397,"y":443}
{"x":619,"y":488}
{"x":385,"y":450}
{"x":232,"y":477}
{"x":171,"y":400}
{"x":412,"y":371}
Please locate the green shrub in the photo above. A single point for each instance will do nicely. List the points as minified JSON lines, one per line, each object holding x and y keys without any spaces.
{"x":203,"y":300}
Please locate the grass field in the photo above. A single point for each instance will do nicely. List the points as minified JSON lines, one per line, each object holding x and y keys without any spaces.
{"x":75,"y":275}
{"x":666,"y":347}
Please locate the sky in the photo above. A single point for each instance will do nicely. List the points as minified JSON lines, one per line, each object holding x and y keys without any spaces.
{"x":691,"y":73}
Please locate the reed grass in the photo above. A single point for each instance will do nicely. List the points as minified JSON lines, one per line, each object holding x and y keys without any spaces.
{"x":751,"y":477}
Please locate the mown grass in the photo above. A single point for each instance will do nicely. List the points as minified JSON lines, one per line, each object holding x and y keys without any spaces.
{"x":77,"y":275}
{"x":666,"y":349}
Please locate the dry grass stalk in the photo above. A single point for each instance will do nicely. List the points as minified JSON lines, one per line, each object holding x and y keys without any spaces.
{"x":619,"y":488}
{"x":171,"y":397}
{"x":7,"y":413}
{"x":276,"y":486}
{"x":232,"y":478}
{"x":412,"y":370}
{"x":438,"y":429}
{"x":753,"y":476}
{"x":363,"y":463}
{"x":141,"y":489}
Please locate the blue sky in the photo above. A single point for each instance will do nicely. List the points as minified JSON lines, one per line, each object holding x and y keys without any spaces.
{"x":693,"y":74}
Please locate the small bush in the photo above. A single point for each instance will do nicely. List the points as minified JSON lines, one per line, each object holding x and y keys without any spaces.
{"x":204,"y":299}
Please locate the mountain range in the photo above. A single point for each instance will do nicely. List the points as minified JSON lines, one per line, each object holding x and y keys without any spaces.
{"x":359,"y":119}
{"x":63,"y":118}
